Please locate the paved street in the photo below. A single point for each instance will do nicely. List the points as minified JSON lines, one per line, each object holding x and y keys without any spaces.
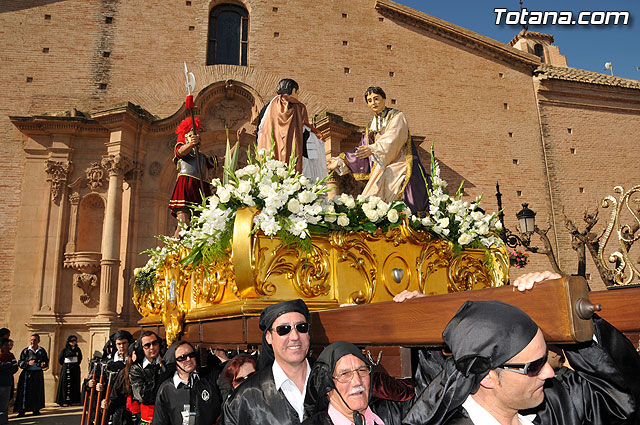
{"x":50,"y":416}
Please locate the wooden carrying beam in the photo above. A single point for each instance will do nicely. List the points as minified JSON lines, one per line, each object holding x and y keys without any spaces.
{"x":557,"y":306}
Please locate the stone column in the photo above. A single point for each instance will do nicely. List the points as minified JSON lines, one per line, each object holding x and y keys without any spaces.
{"x":116,"y":165}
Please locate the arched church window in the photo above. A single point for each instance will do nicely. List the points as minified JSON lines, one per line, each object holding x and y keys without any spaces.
{"x":538,"y":50}
{"x":228,"y":35}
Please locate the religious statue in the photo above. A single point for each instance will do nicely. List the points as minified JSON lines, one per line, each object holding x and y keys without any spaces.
{"x":387,"y":153}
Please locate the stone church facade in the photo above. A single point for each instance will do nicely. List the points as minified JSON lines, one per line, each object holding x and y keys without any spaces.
{"x":93,"y":91}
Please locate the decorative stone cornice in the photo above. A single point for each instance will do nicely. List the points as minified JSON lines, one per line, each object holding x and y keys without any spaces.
{"x":57,"y":172}
{"x":118,"y":113}
{"x":116,"y":164}
{"x":95,"y":175}
{"x":84,"y":262}
{"x":532,"y":35}
{"x":460,"y":35}
{"x":45,"y":124}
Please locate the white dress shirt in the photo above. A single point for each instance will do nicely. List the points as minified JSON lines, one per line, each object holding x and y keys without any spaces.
{"x":479,"y":416}
{"x":289,"y":388}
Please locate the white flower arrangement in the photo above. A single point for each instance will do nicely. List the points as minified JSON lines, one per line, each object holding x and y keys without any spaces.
{"x":145,"y":277}
{"x":456,"y":220}
{"x":288,"y":205}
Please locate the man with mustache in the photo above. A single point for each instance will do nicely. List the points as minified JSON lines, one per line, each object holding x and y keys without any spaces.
{"x":498,"y":374}
{"x":340,"y":391}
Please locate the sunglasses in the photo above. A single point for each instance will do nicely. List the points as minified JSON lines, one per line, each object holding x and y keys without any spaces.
{"x":240,"y":379}
{"x":530,"y":369}
{"x":149,"y":344}
{"x":283,"y":330}
{"x":186,"y":356}
{"x":73,"y":340}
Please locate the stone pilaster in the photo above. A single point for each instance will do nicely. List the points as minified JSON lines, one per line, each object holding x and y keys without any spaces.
{"x":116,"y":166}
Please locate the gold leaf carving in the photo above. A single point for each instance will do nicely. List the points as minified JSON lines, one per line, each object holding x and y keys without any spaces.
{"x":348,"y":245}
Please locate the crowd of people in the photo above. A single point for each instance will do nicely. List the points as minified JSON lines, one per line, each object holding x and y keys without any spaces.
{"x":498,"y":370}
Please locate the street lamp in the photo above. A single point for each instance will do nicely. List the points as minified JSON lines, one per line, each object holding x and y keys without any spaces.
{"x":526,"y":221}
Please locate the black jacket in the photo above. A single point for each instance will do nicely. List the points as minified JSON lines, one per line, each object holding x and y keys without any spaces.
{"x":203,"y":399}
{"x":145,"y":381}
{"x":258,"y":401}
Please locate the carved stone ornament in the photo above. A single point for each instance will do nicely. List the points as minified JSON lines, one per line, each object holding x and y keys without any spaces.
{"x":95,"y":175}
{"x":86,"y":282}
{"x":57,"y":172}
{"x":74,"y":198}
{"x":84,"y":262}
{"x":229,"y":113}
{"x":116,"y":164}
{"x":155,"y":168}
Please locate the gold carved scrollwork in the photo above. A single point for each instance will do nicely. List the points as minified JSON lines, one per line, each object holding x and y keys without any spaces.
{"x":308,"y":271}
{"x":434,"y":255}
{"x":148,"y":303}
{"x":500,"y":269}
{"x":348,"y":245}
{"x":263,"y":286}
{"x":175,"y":304}
{"x":167,"y":297}
{"x":624,"y":269}
{"x":467,"y":272}
{"x":207,"y":284}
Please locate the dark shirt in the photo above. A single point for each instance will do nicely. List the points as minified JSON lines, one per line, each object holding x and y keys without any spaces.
{"x":202,"y":397}
{"x":40,"y":356}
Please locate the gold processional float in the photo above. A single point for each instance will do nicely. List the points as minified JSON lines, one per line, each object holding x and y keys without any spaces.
{"x":340,"y":266}
{"x":343,"y":267}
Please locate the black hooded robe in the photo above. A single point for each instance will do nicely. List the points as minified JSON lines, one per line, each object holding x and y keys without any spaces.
{"x":604,"y":390}
{"x":30,"y":393}
{"x":69,"y":383}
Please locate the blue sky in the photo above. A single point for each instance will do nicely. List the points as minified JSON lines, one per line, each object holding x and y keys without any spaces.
{"x":586,"y":47}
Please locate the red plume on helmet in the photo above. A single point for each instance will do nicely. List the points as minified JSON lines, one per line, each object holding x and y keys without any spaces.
{"x":184,"y":127}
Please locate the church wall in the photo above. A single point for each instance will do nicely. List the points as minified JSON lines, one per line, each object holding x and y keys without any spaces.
{"x":35,"y":82}
{"x":590,"y":151}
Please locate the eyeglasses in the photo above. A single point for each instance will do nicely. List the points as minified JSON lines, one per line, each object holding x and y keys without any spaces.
{"x":184,"y":357}
{"x":347,"y":375}
{"x":240,"y":379}
{"x":73,"y":340}
{"x":149,"y":344}
{"x":530,"y":369}
{"x":283,"y":330}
